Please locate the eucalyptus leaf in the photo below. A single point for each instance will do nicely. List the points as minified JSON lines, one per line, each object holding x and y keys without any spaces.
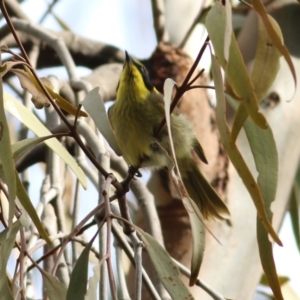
{"x":94,"y":105}
{"x":198,"y":234}
{"x":78,"y":282}
{"x":168,"y":90}
{"x":6,"y":245}
{"x":240,"y":84}
{"x":294,"y":212}
{"x":266,"y":66}
{"x":26,"y":203}
{"x":54,"y":288}
{"x":198,"y":228}
{"x":274,"y":36}
{"x":31,"y":121}
{"x":263,"y":148}
{"x":166,"y":269}
{"x":234,"y":154}
{"x":6,"y":158}
{"x":19,"y":148}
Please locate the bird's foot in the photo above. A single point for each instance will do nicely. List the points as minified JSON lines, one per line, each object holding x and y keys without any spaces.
{"x":134,"y":171}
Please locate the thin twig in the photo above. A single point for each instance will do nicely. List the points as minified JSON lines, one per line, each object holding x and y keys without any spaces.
{"x":182,"y":88}
{"x":123,"y":289}
{"x":196,"y":77}
{"x":75,"y":217}
{"x":138,"y":269}
{"x":130,"y":254}
{"x":105,"y":194}
{"x":201,"y":87}
{"x":74,"y":233}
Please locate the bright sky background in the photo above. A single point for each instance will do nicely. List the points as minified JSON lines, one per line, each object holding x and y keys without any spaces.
{"x":108,"y":21}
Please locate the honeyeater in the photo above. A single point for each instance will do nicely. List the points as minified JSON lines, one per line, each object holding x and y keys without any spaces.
{"x":135,"y":117}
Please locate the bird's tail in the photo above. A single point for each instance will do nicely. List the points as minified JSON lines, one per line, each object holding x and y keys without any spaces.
{"x":201,"y":192}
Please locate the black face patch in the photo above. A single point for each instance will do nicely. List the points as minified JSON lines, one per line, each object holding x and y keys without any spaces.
{"x":145,"y":76}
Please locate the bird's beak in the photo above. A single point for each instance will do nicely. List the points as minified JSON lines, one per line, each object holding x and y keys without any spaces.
{"x":128,"y":58}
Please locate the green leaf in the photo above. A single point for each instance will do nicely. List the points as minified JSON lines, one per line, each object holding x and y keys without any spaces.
{"x":6,"y":245}
{"x":8,"y":65}
{"x":94,"y":105}
{"x":78,"y":281}
{"x":236,"y":71}
{"x":61,"y":23}
{"x":228,"y":29}
{"x":20,"y":147}
{"x":6,"y":158}
{"x":198,"y":234}
{"x":266,"y":61}
{"x":39,"y":98}
{"x":166,"y":269}
{"x":265,"y":155}
{"x":197,"y":225}
{"x":168,"y":90}
{"x":54,"y":288}
{"x":294,"y":212}
{"x":234,"y":154}
{"x":31,"y":121}
{"x":266,"y":66}
{"x":26,"y":203}
{"x":274,"y":36}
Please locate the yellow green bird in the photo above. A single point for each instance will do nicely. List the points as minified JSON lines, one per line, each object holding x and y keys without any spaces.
{"x":135,"y":117}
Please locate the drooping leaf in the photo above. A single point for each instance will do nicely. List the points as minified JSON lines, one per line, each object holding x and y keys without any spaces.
{"x":61,"y":23}
{"x":7,"y":66}
{"x":266,"y":66}
{"x":6,"y":158}
{"x":78,"y":281}
{"x":198,"y":234}
{"x":236,"y":72}
{"x":94,"y":105}
{"x":26,"y":203}
{"x":294,"y":212}
{"x":266,"y":60}
{"x":64,"y":104}
{"x":166,"y":269}
{"x":228,"y":30}
{"x":31,"y":121}
{"x":274,"y":36}
{"x":196,"y":219}
{"x":39,"y":99}
{"x":168,"y":90}
{"x":6,"y":245}
{"x":234,"y":154}
{"x":20,"y":147}
{"x":54,"y":288}
{"x":267,"y":259}
{"x":263,"y":148}
{"x":29,"y":83}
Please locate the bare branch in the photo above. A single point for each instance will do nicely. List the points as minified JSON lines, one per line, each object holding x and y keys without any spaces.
{"x":158,"y":10}
{"x":85,"y":52}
